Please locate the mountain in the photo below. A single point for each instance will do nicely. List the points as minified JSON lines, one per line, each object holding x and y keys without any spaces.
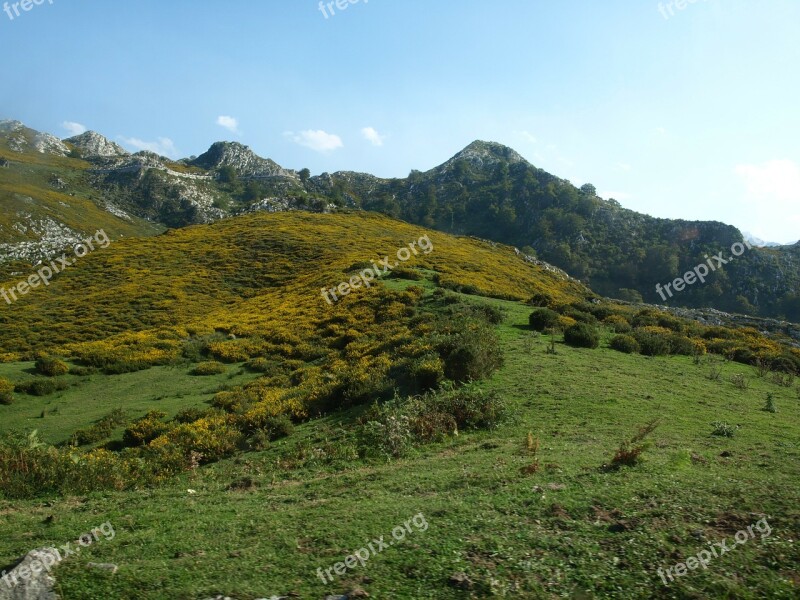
{"x":486,"y":190}
{"x":759,"y":242}
{"x":242,"y":159}
{"x":92,"y":144}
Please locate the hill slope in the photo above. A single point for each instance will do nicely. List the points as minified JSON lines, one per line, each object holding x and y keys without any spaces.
{"x":486,"y":190}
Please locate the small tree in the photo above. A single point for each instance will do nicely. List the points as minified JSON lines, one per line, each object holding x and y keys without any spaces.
{"x":227,"y":174}
{"x":304,"y":174}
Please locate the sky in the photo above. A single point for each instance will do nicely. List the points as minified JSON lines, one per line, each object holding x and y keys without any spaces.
{"x":677,"y":109}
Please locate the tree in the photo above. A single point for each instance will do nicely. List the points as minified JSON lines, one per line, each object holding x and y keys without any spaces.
{"x":589,"y":189}
{"x":227,"y":174}
{"x":305,"y":174}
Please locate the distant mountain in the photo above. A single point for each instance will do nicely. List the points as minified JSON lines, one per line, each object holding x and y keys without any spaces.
{"x":91,"y":144}
{"x":759,"y":242}
{"x":486,"y":190}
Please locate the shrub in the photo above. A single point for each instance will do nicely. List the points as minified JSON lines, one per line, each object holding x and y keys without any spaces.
{"x":680,"y":344}
{"x":426,"y":372}
{"x":740,"y":381}
{"x":625,"y":343}
{"x":80,"y":371}
{"x":629,"y":452}
{"x":542,"y":319}
{"x":651,"y":344}
{"x":211,"y":367}
{"x":540,"y":300}
{"x":618,"y":324}
{"x":770,"y":405}
{"x":268,"y":367}
{"x":470,"y":351}
{"x":101,"y":430}
{"x":234,"y":401}
{"x":722,"y":429}
{"x":582,"y":335}
{"x":580,"y":316}
{"x":51,"y":367}
{"x":6,"y":391}
{"x":145,"y":429}
{"x":190,"y":415}
{"x":41,"y":387}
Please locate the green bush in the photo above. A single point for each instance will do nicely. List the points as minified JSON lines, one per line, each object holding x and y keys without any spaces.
{"x":41,"y":387}
{"x":51,"y":367}
{"x":580,"y":316}
{"x":543,"y":318}
{"x":267,"y":367}
{"x":101,"y":430}
{"x":625,"y":343}
{"x":470,"y":350}
{"x":211,"y":367}
{"x":680,"y":344}
{"x":652,"y":344}
{"x":6,"y":391}
{"x":582,"y":335}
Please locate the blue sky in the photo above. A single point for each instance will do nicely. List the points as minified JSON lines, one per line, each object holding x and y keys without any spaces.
{"x":690,"y":111}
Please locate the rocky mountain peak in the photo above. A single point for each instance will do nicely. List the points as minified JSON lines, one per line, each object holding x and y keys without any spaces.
{"x":246,"y":162}
{"x":93,"y":144}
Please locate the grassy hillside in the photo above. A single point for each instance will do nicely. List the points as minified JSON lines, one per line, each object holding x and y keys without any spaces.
{"x":197,"y":391}
{"x":263,"y":523}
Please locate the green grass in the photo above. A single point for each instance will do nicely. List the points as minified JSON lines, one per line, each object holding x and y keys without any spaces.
{"x":604,"y":533}
{"x":88,"y":399}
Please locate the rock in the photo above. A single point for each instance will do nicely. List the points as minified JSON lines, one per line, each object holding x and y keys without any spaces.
{"x":93,"y":144}
{"x":31,"y":579}
{"x":460,"y":581}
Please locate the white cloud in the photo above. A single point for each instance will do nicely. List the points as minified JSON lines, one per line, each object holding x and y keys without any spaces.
{"x":73,"y":128}
{"x":164,"y":146}
{"x":624,"y":166}
{"x":372,"y":136}
{"x":229,"y":123}
{"x":661,"y":131}
{"x":317,"y":140}
{"x":526,"y":136}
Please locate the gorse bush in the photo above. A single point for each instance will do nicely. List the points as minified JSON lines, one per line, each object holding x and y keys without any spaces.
{"x":625,"y":343}
{"x":145,"y":429}
{"x":542,"y":319}
{"x":209,"y":368}
{"x":651,"y":344}
{"x":51,"y":367}
{"x":6,"y":391}
{"x":582,"y":335}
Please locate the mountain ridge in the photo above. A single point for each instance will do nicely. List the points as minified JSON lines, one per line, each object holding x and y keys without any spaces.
{"x":485,"y":190}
